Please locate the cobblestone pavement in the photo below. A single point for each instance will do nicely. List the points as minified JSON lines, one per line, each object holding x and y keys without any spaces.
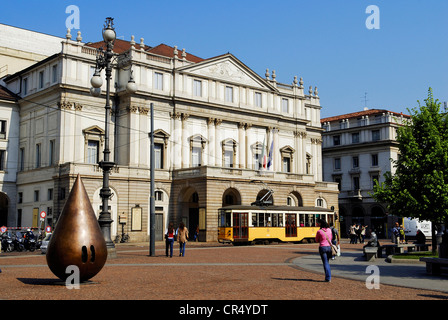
{"x":209,"y":271}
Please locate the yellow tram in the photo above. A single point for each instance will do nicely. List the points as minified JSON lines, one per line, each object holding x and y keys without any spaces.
{"x":239,"y":224}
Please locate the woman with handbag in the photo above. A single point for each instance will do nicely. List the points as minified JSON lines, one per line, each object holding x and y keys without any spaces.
{"x":323,"y":237}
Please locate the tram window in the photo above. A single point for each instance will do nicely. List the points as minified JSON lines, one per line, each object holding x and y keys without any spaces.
{"x":301,"y":220}
{"x":261,"y":219}
{"x":330,"y":219}
{"x":275,"y":219}
{"x":254,"y":220}
{"x":224,"y":220}
{"x":310,"y":220}
{"x":267,"y":219}
{"x":280,"y":219}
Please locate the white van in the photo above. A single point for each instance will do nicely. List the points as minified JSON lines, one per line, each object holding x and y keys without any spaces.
{"x":411,"y":225}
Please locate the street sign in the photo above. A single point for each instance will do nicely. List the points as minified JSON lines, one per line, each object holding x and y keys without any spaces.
{"x":48,"y":229}
{"x":3,"y":229}
{"x":43,"y":214}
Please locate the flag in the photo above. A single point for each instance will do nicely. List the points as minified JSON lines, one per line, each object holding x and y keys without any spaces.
{"x":271,"y":151}
{"x":262,"y":159}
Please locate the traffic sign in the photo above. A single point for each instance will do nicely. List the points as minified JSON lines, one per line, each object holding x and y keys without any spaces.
{"x":48,"y":229}
{"x":3,"y":229}
{"x":43,"y":214}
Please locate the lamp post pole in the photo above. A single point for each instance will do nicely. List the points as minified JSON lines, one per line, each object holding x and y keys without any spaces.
{"x":104,"y":61}
{"x":152,"y":216}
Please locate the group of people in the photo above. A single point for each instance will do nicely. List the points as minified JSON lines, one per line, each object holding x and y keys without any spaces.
{"x":398,"y":234}
{"x":182,"y":236}
{"x":357,"y":232}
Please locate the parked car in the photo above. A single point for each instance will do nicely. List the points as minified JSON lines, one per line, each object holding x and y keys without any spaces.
{"x":45,"y":242}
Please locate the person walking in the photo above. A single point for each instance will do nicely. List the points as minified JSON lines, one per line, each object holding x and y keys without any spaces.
{"x":353,"y":233}
{"x":169,"y":239}
{"x":182,"y":237}
{"x":323,"y":237}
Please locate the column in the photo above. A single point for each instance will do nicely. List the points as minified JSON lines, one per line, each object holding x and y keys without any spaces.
{"x":176,"y":154}
{"x":211,"y":141}
{"x":218,"y":149}
{"x":241,"y":156}
{"x":185,"y":146}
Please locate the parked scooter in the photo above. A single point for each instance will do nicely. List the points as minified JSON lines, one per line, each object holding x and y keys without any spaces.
{"x":18,"y":243}
{"x":29,"y":240}
{"x":7,"y":244}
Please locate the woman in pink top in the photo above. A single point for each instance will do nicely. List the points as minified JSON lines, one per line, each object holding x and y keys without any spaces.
{"x":323,"y":237}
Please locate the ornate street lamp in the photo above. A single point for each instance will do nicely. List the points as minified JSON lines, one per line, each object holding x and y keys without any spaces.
{"x":104,"y":61}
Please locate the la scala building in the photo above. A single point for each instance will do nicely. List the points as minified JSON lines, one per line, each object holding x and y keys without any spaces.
{"x":223,"y":135}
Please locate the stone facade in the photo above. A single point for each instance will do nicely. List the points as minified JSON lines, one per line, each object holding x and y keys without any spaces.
{"x":214,"y":119}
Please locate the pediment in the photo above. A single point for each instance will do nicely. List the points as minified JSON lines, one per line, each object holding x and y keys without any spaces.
{"x":229,"y":69}
{"x":94,"y":130}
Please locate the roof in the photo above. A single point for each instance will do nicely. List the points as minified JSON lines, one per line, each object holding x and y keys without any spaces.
{"x":369,"y":112}
{"x":162,"y":49}
{"x":5,"y":94}
{"x":168,"y":51}
{"x":120,"y":46}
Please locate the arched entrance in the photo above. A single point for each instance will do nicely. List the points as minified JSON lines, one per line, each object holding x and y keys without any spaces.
{"x":358,"y":215}
{"x":4,"y":204}
{"x":378,"y":220}
{"x":294,"y":199}
{"x":264,"y":196}
{"x":189,"y":209}
{"x":231,"y":197}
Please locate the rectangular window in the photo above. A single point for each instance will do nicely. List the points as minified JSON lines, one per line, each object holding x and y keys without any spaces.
{"x":286,"y":161}
{"x":2,"y":129}
{"x":197,"y":88}
{"x":20,"y":197}
{"x":51,"y":153}
{"x":158,"y":80}
{"x":355,"y":137}
{"x":336,"y":140}
{"x":36,"y":195}
{"x":2,"y":159}
{"x":158,"y":156}
{"x":38,"y":155}
{"x":22,"y":159}
{"x":196,"y":156}
{"x":41,"y":80}
{"x":25,"y":86}
{"x":337,"y":164}
{"x":376,"y":135}
{"x":50,"y":194}
{"x":54,"y":73}
{"x":374,"y":160}
{"x":285,"y":105}
{"x":338,"y":180}
{"x":92,"y":151}
{"x":356,"y":183}
{"x":355,"y":161}
{"x":258,"y":101}
{"x":228,"y":158}
{"x":229,"y":94}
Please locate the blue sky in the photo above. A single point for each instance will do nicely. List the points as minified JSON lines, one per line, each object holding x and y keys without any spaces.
{"x":324,"y":41}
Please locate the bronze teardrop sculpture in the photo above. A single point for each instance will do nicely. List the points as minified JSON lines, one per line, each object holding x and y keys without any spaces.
{"x":77,"y":239}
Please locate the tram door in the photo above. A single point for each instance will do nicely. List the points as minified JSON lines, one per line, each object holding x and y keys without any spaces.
{"x":291,"y":225}
{"x":240,"y":230}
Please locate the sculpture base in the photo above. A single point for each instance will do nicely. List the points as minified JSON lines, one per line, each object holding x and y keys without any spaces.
{"x":111,"y":253}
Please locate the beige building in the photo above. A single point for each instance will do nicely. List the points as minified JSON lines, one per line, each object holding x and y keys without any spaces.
{"x":357,"y":150}
{"x":215,"y":121}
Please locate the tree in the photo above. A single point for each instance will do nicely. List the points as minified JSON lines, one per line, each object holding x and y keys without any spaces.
{"x":419,"y":187}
